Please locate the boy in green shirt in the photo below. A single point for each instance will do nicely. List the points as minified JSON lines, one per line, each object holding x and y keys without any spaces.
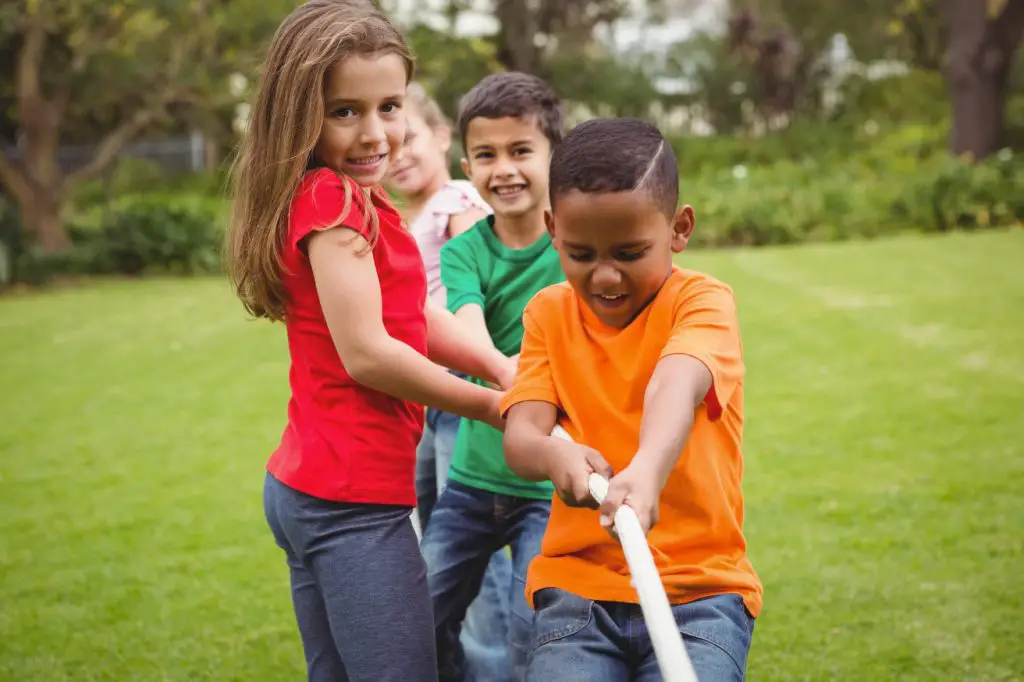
{"x":509,"y":124}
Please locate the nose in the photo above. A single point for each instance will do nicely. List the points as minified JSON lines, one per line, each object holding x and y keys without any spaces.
{"x":504,"y":168}
{"x":372,"y":131}
{"x":605,"y":276}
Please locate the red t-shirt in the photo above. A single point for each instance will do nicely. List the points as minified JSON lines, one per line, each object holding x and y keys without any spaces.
{"x":344,"y":441}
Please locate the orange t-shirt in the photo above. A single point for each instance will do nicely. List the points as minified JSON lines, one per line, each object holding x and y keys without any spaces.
{"x":596,"y":376}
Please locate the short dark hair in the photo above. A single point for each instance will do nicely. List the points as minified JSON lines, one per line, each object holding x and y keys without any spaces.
{"x":616,"y":155}
{"x":517,"y":95}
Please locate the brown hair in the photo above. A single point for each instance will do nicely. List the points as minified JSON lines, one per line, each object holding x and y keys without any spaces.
{"x":286,"y":119}
{"x":515,"y":95}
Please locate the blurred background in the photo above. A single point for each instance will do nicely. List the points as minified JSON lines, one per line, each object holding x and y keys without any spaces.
{"x":857,"y":171}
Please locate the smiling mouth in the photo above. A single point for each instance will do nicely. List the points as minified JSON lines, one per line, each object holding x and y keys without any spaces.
{"x":507,"y":191}
{"x":610,"y":300}
{"x":366,"y":161}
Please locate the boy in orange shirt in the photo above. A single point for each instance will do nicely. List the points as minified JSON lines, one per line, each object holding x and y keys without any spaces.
{"x":641,"y":362}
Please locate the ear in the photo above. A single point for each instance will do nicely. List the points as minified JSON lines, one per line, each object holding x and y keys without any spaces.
{"x":549,"y":222}
{"x":466,"y":170}
{"x":682,"y":228}
{"x":444,"y":138}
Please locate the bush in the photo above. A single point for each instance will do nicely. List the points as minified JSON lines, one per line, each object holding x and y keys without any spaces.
{"x":154,"y":234}
{"x":905,"y":181}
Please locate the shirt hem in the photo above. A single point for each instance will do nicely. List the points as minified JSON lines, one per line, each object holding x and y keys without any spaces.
{"x":522,"y":395}
{"x":752,"y":599}
{"x":527,"y":490}
{"x":350,"y":495}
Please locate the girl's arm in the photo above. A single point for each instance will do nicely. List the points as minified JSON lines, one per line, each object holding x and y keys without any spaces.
{"x":460,"y":222}
{"x":449,"y":343}
{"x":349,"y":291}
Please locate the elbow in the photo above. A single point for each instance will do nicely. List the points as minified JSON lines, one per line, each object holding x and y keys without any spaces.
{"x":521,"y":459}
{"x":364,"y":365}
{"x":510,"y":444}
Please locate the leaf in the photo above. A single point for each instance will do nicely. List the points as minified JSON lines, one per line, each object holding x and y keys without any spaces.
{"x":995,"y":8}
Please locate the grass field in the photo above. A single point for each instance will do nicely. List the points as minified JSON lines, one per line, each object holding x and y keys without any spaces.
{"x":884,"y":444}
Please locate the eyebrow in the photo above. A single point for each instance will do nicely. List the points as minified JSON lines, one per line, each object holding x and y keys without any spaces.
{"x":350,"y":102}
{"x":513,"y":143}
{"x":623,"y":245}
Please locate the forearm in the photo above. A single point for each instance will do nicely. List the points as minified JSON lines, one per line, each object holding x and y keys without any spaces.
{"x":527,"y":441}
{"x":394,"y":368}
{"x":675,"y":391}
{"x":449,"y":343}
{"x":526,"y":453}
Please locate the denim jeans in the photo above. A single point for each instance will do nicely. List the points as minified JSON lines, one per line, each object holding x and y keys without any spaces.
{"x":578,"y":639}
{"x":484,"y":635}
{"x":433,"y":457}
{"x":466,"y":529}
{"x":358,"y":585}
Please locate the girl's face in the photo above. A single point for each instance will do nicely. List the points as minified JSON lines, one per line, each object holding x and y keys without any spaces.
{"x":363,"y":120}
{"x":423,"y":163}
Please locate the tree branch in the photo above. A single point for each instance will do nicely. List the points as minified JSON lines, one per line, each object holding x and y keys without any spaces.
{"x":112,"y":144}
{"x":1008,"y":27}
{"x":30,"y":61}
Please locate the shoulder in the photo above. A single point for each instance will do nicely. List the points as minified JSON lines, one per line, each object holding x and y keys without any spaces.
{"x":325,"y":199}
{"x":695,"y":297}
{"x":457,"y":196}
{"x":690,"y":287}
{"x":470,"y":241}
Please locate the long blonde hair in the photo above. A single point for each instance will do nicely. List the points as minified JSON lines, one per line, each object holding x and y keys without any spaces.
{"x":286,"y":117}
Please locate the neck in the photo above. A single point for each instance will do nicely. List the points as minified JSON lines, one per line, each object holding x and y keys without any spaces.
{"x":520,"y":231}
{"x":414,"y":203}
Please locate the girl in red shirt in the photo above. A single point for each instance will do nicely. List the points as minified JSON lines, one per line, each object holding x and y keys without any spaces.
{"x":313,"y":242}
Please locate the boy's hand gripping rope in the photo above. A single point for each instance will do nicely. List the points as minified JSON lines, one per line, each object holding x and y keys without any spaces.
{"x":673,"y":661}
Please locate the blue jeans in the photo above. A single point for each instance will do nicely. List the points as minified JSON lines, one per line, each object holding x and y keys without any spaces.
{"x":433,"y":457}
{"x":484,"y":637}
{"x":467,"y":528}
{"x":358,"y":585}
{"x":578,"y":639}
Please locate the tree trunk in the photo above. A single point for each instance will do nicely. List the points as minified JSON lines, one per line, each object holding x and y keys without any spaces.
{"x":981,"y":50}
{"x":42,"y":219}
{"x":516,"y":49}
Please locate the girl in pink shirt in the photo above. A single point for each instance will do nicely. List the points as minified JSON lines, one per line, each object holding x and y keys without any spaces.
{"x":438,"y":209}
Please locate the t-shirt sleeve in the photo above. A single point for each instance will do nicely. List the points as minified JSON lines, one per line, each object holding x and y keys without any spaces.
{"x":706,"y":327}
{"x":460,"y":273}
{"x":324,"y":201}
{"x":534,"y":380}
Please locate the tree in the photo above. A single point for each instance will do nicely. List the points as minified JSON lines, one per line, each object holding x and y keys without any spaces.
{"x":113,"y":67}
{"x":978,"y":62}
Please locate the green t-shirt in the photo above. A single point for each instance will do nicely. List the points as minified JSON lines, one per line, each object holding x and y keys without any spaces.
{"x":476,"y":267}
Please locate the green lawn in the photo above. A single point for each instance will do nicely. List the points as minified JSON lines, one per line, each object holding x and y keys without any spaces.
{"x":885,"y":470}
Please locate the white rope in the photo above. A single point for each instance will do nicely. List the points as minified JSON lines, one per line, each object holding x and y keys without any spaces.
{"x":673,"y":661}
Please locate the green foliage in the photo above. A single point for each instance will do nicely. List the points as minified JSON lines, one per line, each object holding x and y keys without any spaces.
{"x":169,"y":233}
{"x":448,"y":66}
{"x":903,"y":181}
{"x":155,"y":235}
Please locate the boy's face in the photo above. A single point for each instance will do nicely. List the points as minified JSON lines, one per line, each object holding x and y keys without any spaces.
{"x":616,"y":249}
{"x":507,"y":161}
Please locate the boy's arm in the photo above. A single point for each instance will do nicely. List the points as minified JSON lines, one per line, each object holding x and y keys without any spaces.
{"x":701,"y":363}
{"x":448,"y":344}
{"x":465,"y":292}
{"x":534,"y":454}
{"x":532,"y":411}
{"x":676,"y":390}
